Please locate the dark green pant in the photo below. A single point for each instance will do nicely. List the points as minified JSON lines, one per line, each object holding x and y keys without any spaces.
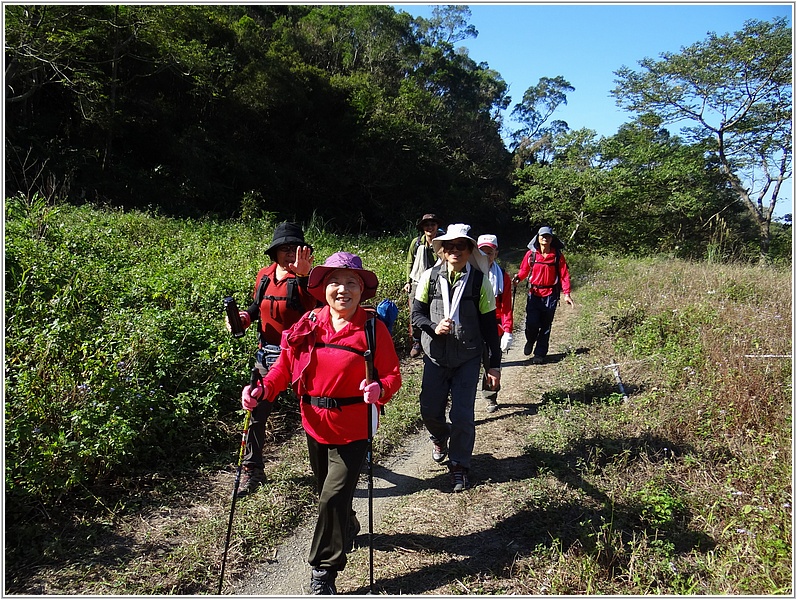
{"x":337,"y":471}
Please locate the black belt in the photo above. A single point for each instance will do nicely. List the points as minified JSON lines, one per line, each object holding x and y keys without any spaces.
{"x":325,"y":402}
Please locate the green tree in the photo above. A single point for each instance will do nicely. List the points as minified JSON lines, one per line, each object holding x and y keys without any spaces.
{"x":734,"y":90}
{"x":532,"y":142}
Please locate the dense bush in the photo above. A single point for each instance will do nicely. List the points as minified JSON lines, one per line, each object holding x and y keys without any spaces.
{"x":117,"y":358}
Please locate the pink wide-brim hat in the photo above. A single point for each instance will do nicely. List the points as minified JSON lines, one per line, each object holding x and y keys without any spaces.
{"x":341,"y":260}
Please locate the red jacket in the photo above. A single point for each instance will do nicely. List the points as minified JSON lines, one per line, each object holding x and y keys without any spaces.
{"x":276,"y":315}
{"x":333,"y":372}
{"x":544,"y":273}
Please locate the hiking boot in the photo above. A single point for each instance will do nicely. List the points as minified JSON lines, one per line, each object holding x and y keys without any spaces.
{"x":416,"y":350}
{"x":537,"y":360}
{"x":322,"y":582}
{"x":492,"y":405}
{"x":439,"y":450}
{"x":352,"y":533}
{"x":459,"y":477}
{"x":253,"y":478}
{"x":527,"y":349}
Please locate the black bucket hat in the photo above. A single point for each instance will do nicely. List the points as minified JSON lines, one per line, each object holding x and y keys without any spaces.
{"x":428,"y":218}
{"x":286,"y":233}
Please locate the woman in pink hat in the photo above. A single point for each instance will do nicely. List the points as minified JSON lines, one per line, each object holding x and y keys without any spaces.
{"x":322,"y":359}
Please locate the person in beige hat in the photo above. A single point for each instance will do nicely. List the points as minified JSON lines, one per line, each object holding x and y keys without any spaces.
{"x":454,"y":307}
{"x":420,"y":256}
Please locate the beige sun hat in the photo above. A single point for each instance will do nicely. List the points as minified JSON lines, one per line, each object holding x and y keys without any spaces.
{"x":461,"y":231}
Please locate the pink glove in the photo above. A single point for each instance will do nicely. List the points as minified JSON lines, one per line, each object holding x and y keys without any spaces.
{"x":371,"y":391}
{"x":246,"y":320}
{"x":249,"y":399}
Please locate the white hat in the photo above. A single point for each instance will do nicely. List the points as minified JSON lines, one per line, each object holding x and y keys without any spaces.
{"x":459,"y":231}
{"x":488,"y":239}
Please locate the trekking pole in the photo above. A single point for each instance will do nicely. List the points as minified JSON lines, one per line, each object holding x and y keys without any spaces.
{"x":255,"y":377}
{"x":369,"y":377}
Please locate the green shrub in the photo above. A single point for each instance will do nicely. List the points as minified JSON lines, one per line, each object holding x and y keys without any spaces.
{"x":117,"y":359}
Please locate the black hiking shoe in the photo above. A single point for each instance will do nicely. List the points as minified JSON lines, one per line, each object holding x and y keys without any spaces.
{"x":459,"y":477}
{"x":322,"y":582}
{"x":527,"y":349}
{"x":439,"y":450}
{"x":253,"y":478}
{"x":538,"y":360}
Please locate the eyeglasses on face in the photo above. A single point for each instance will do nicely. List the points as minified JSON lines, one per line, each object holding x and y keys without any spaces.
{"x":287,"y":248}
{"x":460,"y":246}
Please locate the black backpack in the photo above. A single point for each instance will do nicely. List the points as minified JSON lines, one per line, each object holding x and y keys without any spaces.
{"x":292,"y":299}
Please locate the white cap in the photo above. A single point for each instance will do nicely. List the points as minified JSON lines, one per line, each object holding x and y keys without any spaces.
{"x":488,"y":239}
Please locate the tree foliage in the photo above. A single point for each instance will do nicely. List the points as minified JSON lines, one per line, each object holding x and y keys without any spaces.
{"x":734,"y":90}
{"x":311,"y":108}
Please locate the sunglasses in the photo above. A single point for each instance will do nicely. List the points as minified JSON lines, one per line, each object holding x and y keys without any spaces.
{"x":460,"y":246}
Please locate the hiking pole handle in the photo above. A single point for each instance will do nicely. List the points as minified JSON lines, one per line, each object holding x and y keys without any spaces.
{"x":369,"y":366}
{"x":254,"y":377}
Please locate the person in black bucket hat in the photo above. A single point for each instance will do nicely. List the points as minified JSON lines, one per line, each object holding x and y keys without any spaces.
{"x":280,"y":299}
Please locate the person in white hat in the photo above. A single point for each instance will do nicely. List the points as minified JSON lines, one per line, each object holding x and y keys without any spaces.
{"x":454,"y":307}
{"x":546,"y":269}
{"x":502,"y":288}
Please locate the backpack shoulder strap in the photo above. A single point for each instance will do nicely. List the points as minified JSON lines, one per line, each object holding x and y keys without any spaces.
{"x":261,"y":289}
{"x":433,"y":281}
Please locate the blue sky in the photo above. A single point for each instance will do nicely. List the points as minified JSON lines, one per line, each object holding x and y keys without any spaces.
{"x":586,"y":43}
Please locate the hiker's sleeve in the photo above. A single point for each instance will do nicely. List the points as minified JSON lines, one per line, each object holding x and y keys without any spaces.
{"x":488,"y":323}
{"x":306,"y":299}
{"x":420,"y":306}
{"x":489,"y":329}
{"x":410,"y":261}
{"x":523,"y":270}
{"x":564,"y":274}
{"x":505,"y":302}
{"x":386,"y":362}
{"x":486,"y":297}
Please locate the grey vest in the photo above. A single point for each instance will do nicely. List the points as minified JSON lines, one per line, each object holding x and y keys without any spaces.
{"x":466,"y":341}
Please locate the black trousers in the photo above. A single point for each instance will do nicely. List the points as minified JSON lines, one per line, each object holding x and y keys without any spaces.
{"x":540,"y":312}
{"x":337,"y":471}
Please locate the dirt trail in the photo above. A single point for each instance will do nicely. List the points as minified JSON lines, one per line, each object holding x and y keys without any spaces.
{"x":426,"y":537}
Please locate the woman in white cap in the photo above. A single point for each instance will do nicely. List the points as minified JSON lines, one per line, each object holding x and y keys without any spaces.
{"x":454,"y":307}
{"x":502,"y":288}
{"x":546,"y":269}
{"x":323,"y":361}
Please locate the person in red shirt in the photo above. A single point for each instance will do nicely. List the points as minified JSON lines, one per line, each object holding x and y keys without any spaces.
{"x":280,"y":298}
{"x":322,"y":359}
{"x":546,"y":269}
{"x":502,"y":288}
